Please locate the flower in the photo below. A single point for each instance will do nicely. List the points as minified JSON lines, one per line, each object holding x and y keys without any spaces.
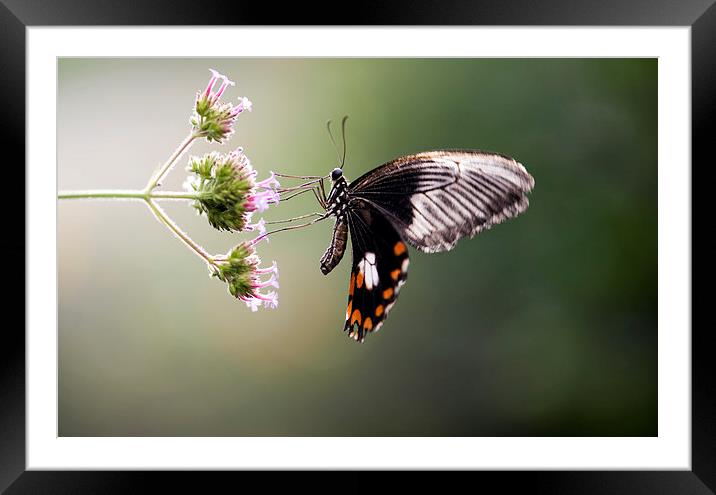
{"x":211,"y":118}
{"x":245,"y":279}
{"x":261,"y":200}
{"x":227,"y":191}
{"x":260,"y":226}
{"x":245,"y":104}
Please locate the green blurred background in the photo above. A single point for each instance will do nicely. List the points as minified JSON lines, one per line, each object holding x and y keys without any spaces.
{"x":545,"y":325}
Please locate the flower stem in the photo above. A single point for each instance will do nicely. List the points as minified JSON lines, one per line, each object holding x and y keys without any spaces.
{"x":121,"y":194}
{"x":183,"y":236}
{"x":149,"y":195}
{"x":164,"y":170}
{"x":173,"y":195}
{"x":102,"y":194}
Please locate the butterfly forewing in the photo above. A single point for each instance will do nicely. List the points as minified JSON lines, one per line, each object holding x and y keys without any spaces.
{"x":435,"y":198}
{"x":379,"y":269}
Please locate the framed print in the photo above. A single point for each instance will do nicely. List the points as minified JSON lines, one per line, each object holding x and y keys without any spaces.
{"x":555,"y":347}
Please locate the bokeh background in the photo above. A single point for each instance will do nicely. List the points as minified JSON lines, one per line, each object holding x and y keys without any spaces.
{"x":543,"y":326}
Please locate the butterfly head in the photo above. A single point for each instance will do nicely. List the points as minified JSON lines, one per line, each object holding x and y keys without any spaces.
{"x":336,"y":174}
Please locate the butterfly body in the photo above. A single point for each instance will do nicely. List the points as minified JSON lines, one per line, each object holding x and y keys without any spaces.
{"x":427,"y":200}
{"x":337,"y":247}
{"x":337,"y":205}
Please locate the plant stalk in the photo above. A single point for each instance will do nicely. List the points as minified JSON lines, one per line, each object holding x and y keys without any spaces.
{"x":126,"y":194}
{"x":164,"y":170}
{"x":183,"y":236}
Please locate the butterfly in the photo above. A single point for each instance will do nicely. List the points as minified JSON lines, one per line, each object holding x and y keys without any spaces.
{"x":428,"y":201}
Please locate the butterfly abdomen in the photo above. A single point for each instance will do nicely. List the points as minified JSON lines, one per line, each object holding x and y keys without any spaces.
{"x":337,"y":248}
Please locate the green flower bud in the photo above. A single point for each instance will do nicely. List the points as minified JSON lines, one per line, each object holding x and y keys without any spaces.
{"x":239,"y":269}
{"x":228,"y":192}
{"x":212,"y":119}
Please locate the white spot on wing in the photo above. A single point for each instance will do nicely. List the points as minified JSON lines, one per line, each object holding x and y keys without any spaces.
{"x":369,"y":269}
{"x":404,"y":266}
{"x":369,"y":279}
{"x":389,"y":307}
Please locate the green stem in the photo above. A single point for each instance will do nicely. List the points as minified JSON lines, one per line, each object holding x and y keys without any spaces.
{"x":183,"y":236}
{"x":122,"y":194}
{"x":148,"y":198}
{"x":149,"y":195}
{"x":102,"y":194}
{"x":174,"y":195}
{"x":164,"y":169}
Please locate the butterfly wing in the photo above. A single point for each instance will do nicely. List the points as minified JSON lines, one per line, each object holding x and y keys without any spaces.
{"x":380,"y":268}
{"x":437,"y":197}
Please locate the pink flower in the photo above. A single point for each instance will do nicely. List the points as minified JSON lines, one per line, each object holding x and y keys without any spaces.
{"x":264,"y":194}
{"x":271,"y":300}
{"x":225,"y":82}
{"x":246,"y":280}
{"x":244,"y":104}
{"x":260,"y":201}
{"x":257,"y":298}
{"x":270,"y":183}
{"x":260,"y":226}
{"x":227,"y":190}
{"x":213,"y":119}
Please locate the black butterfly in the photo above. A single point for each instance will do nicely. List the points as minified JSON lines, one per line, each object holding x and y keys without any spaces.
{"x":428,"y":200}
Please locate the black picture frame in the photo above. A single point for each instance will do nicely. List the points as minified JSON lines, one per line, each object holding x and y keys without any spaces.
{"x":700,"y":15}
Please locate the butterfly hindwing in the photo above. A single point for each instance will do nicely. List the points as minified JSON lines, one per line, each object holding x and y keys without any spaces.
{"x":379,"y":269}
{"x":437,"y":197}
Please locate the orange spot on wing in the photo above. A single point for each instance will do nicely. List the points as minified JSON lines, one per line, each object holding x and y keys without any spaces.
{"x":399,"y":248}
{"x":359,"y":280}
{"x":352,"y":284}
{"x":379,"y":310}
{"x":388,"y":293}
{"x":395,"y":274}
{"x":368,"y":324}
{"x":356,"y":317}
{"x":348,"y":311}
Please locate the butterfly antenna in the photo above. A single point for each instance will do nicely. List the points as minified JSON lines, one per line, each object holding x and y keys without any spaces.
{"x":330,"y":134}
{"x":343,"y":133}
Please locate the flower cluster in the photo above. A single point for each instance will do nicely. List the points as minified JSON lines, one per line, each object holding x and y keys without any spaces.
{"x":227,"y":190}
{"x":213,"y":119}
{"x":240,"y":270}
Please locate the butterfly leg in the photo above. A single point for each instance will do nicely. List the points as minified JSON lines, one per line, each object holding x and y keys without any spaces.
{"x":320,"y":197}
{"x":307,"y":215}
{"x":303,"y":177}
{"x":293,"y":195}
{"x":322,"y":216}
{"x":323,"y":193}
